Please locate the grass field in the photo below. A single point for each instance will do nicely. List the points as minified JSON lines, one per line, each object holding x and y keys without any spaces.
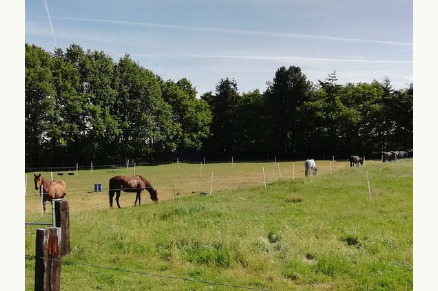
{"x":317,"y":233}
{"x":172,"y":181}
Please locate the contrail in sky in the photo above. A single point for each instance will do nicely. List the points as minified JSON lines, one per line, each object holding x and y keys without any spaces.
{"x":50,"y":22}
{"x":268,"y":58}
{"x":238,"y":31}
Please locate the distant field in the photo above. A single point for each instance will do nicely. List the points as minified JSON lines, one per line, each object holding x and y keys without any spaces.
{"x":318,"y":233}
{"x":172,"y":181}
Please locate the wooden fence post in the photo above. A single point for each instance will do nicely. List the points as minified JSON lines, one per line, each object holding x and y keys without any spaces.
{"x":62,"y":221}
{"x":47,"y":260}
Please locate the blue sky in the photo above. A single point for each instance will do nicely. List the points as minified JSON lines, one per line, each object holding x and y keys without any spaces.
{"x":247,"y":40}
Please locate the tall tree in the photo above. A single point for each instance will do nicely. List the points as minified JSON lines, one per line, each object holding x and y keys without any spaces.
{"x":146,"y":128}
{"x":401,"y":111}
{"x":101,"y":127}
{"x":332,"y":108}
{"x":223,"y":106}
{"x":250,"y":126}
{"x":70,"y":103}
{"x":39,"y":102}
{"x":284,"y":96}
{"x":191,"y":115}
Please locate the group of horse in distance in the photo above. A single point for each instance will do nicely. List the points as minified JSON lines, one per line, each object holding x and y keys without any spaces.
{"x":58,"y":189}
{"x":386,"y":157}
{"x":394,"y":155}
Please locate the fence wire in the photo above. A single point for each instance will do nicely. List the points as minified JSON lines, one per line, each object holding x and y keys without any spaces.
{"x":149,"y":274}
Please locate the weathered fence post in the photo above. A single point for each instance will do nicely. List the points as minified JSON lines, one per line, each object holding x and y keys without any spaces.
{"x":42,"y":199}
{"x":62,"y":221}
{"x":293,"y":171}
{"x":264,"y":176}
{"x":47,"y":260}
{"x":369,"y":188}
{"x":200,"y":173}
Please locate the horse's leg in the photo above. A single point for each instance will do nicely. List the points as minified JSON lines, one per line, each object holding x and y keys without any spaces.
{"x":139,"y":197}
{"x":136,"y":198}
{"x":117,"y":198}
{"x":111,"y":196}
{"x":44,"y":203}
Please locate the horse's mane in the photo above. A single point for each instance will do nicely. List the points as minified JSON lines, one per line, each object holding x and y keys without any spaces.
{"x":45,"y":182}
{"x":146,"y":182}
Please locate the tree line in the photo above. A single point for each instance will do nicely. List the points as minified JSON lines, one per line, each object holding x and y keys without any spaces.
{"x":81,"y":106}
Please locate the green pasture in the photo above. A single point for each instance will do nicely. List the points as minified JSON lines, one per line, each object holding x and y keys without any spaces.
{"x":172,"y":181}
{"x":317,"y":233}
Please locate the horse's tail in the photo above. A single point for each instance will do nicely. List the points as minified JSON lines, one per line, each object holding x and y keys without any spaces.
{"x":111,"y":191}
{"x":65,"y":189}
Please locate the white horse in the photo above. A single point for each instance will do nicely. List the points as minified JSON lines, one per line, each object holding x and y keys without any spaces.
{"x":310,"y":165}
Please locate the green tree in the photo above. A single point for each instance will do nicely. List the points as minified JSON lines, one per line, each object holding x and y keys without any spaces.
{"x":359,"y":117}
{"x":101,"y":126}
{"x":250,"y":126}
{"x":145,"y":119}
{"x":223,"y":105}
{"x":191,"y":115}
{"x":401,"y":113}
{"x":332,"y":108}
{"x":71,"y":114}
{"x":284,"y":97}
{"x":39,"y":103}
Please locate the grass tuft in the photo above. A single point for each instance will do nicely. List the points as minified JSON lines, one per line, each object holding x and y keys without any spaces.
{"x":274,"y":237}
{"x":350,"y":240}
{"x":294,"y":199}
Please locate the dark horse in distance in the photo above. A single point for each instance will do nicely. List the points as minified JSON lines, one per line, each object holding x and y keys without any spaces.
{"x":130,"y":184}
{"x":356,"y":161}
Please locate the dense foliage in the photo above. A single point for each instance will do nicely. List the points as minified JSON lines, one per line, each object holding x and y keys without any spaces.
{"x":81,"y":106}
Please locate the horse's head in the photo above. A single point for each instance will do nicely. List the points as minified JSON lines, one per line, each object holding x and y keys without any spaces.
{"x":38,"y":180}
{"x":154,"y":195}
{"x":315,"y":171}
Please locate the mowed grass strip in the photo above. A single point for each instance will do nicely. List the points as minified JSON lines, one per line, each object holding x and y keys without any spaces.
{"x":317,"y":233}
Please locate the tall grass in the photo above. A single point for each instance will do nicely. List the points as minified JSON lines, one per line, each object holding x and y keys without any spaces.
{"x":318,"y":233}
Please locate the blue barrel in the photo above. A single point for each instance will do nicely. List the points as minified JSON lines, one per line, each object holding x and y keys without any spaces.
{"x":97,"y":187}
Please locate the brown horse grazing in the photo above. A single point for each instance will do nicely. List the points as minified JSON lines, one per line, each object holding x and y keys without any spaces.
{"x":51,"y":189}
{"x":130,"y":184}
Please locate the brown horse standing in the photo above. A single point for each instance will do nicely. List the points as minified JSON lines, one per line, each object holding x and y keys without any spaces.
{"x":130,"y":184}
{"x":51,"y":189}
